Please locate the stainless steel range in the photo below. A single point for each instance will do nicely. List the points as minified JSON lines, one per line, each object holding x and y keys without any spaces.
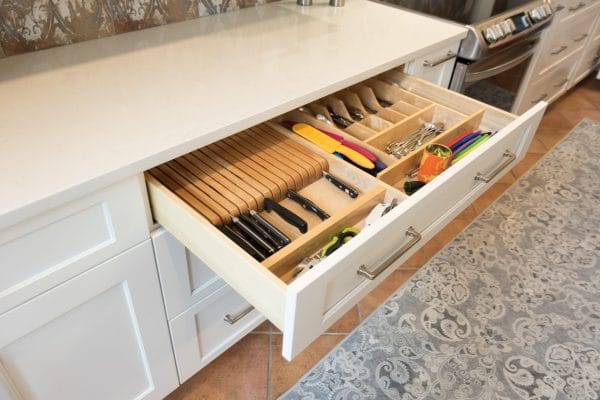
{"x":502,"y":38}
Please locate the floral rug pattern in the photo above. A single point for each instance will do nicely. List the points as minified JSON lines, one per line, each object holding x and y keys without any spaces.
{"x":510,"y":309}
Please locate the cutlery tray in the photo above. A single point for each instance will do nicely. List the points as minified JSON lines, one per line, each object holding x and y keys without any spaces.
{"x":230,"y":177}
{"x":404,"y":112}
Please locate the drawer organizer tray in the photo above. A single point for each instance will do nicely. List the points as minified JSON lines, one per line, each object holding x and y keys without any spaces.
{"x":240,"y":172}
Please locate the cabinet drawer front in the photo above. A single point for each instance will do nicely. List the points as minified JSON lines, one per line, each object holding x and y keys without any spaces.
{"x":436,"y":67}
{"x":589,"y":61}
{"x":201,"y":333}
{"x":303,"y":307}
{"x":314,"y":303}
{"x":184,"y":278}
{"x":70,"y":239}
{"x":565,"y":10}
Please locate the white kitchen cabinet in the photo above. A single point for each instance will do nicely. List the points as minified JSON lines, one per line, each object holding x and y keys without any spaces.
{"x":436,"y":67}
{"x":101,"y":335}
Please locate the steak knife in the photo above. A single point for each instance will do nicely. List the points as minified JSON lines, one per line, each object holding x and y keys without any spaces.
{"x":307,"y":204}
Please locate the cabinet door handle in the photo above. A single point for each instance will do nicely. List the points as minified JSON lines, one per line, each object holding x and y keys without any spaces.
{"x":561,"y":83}
{"x":577,"y":7}
{"x":542,"y":97}
{"x":411,"y":233}
{"x":560,"y":50}
{"x":559,"y":7}
{"x":232,"y":319}
{"x":431,"y":64}
{"x":580,"y":38}
{"x":510,"y":157}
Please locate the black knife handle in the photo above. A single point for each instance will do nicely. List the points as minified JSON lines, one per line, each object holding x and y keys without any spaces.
{"x":307,"y":204}
{"x":343,"y":186}
{"x":256,"y":227}
{"x":288,"y":216}
{"x":243,"y":243}
{"x":253,"y":236}
{"x":275,"y":233}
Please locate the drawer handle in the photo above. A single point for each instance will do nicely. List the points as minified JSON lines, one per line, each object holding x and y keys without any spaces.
{"x":561,"y":83}
{"x":577,"y":7}
{"x":410,"y":232}
{"x":510,"y":157}
{"x":431,"y":64}
{"x":542,"y":97}
{"x":559,"y":8}
{"x":560,"y":50}
{"x":232,"y":319}
{"x":580,"y":38}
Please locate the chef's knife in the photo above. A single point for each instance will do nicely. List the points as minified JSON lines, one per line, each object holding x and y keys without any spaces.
{"x":275,"y":233}
{"x":343,"y":186}
{"x":331,"y":145}
{"x":288,"y":216}
{"x":307,"y":204}
{"x":249,"y":233}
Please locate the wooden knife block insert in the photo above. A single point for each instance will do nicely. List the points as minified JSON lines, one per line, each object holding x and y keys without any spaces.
{"x":405,"y":113}
{"x":229,"y":177}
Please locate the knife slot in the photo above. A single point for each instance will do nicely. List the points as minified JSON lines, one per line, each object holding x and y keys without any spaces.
{"x":338,"y":106}
{"x":397,"y":174}
{"x":359,"y":131}
{"x":368,"y":98}
{"x":391,"y":116}
{"x":351,"y":99}
{"x":405,"y":108}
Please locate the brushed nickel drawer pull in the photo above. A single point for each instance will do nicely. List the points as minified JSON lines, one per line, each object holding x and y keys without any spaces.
{"x":410,"y":232}
{"x":561,"y":83}
{"x":542,"y":97}
{"x":580,"y":38}
{"x":510,"y":157}
{"x":559,"y":7}
{"x":232,"y":319}
{"x":578,"y":6}
{"x":431,"y":64}
{"x":560,"y":50}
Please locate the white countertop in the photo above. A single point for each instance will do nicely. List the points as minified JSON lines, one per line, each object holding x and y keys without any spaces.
{"x":77,"y":118}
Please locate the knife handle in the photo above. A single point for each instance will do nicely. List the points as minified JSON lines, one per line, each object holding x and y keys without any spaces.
{"x":243,"y":243}
{"x":355,"y":156}
{"x":307,"y":204}
{"x":288,"y":216}
{"x":260,"y":230}
{"x":343,"y":186}
{"x":274,"y":232}
{"x":249,"y":232}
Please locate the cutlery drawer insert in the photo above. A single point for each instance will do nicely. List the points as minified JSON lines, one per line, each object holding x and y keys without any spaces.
{"x":202,"y":197}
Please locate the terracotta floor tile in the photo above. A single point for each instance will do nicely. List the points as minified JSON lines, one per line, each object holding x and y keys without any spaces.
{"x":285,"y":374}
{"x":550,"y":136}
{"x":468,"y":214}
{"x":576,"y":115}
{"x":537,"y":146}
{"x":450,"y":231}
{"x":489,"y":196}
{"x":590,"y":89}
{"x":573,"y":100}
{"x":554,"y":119}
{"x":527,"y":162}
{"x":263,"y":328}
{"x":385,"y":289}
{"x":416,"y":261}
{"x":346,"y":323}
{"x":241,"y":373}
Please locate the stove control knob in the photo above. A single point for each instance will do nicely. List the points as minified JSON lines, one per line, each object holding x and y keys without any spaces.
{"x":539,"y":14}
{"x":548,"y":9}
{"x":499,"y":31}
{"x":490,"y":35}
{"x":507,"y":27}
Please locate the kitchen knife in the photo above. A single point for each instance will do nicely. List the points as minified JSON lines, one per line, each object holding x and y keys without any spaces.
{"x":307,"y":204}
{"x":262,"y":232}
{"x":275,"y":233}
{"x":238,"y":239}
{"x":372,"y":157}
{"x":343,"y":186}
{"x":331,"y":145}
{"x":249,"y":233}
{"x":288,"y":216}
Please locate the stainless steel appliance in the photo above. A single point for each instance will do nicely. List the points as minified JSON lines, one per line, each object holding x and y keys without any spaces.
{"x":502,"y":38}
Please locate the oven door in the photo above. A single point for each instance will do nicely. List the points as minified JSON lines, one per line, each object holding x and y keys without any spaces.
{"x":496,"y":80}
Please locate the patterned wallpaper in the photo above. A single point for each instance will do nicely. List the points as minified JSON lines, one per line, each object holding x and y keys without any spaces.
{"x":28,"y":25}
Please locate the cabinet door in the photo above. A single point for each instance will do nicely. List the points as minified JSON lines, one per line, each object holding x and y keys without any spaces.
{"x":100,"y":335}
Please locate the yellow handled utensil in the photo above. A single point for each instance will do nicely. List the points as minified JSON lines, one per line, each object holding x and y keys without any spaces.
{"x":331,"y":145}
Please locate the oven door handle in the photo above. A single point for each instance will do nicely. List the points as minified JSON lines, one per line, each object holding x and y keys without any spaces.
{"x":486,"y":73}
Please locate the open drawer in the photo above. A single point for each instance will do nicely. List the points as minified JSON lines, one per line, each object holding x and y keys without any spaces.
{"x":304,"y":305}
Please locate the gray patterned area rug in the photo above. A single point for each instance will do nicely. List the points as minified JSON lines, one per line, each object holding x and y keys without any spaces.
{"x":509,"y":309}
